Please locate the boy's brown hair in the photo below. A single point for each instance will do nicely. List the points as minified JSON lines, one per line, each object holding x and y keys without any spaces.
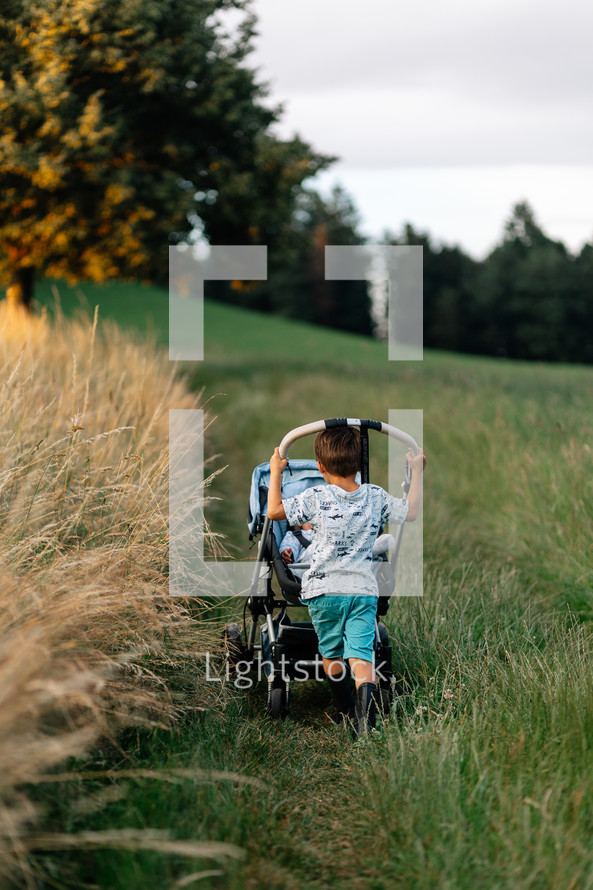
{"x":338,"y":449}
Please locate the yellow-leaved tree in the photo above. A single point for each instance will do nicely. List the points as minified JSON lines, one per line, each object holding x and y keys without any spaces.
{"x":126,"y":125}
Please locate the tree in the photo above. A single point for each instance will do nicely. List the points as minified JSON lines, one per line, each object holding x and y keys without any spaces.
{"x":296,"y":285}
{"x":124,"y":122}
{"x":448,"y":280}
{"x":319,"y":222}
{"x":577,"y":333}
{"x":526,"y":293}
{"x":521,"y":230}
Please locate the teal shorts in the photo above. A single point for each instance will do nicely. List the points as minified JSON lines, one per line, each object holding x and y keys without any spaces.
{"x":345,"y":625}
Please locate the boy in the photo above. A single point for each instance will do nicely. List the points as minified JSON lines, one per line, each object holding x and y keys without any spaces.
{"x":340,"y":589}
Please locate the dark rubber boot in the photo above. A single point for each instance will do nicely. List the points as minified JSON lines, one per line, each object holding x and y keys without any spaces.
{"x":365,"y":709}
{"x":342,"y":695}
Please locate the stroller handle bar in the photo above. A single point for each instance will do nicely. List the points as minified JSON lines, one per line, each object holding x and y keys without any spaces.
{"x":319,"y":425}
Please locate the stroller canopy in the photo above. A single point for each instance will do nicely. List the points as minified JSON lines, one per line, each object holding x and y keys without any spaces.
{"x":296,"y":478}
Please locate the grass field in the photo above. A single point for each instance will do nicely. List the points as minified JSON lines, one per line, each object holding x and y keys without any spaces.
{"x":482,"y":777}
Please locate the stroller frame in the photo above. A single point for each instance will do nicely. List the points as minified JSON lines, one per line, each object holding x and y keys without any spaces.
{"x":289,"y":651}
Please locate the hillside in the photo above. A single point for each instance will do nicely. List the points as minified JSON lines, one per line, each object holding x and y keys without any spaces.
{"x":483,"y":777}
{"x":508,"y":441}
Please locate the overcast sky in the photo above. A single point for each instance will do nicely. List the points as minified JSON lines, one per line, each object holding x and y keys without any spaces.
{"x":444,"y":114}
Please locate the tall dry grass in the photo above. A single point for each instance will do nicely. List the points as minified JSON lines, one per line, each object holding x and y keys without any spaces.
{"x":84,"y":601}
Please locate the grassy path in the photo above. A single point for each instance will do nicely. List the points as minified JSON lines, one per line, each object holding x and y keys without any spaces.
{"x":483,"y":777}
{"x":482,"y":780}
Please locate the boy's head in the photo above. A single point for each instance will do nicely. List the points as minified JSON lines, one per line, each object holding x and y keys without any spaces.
{"x":338,"y":450}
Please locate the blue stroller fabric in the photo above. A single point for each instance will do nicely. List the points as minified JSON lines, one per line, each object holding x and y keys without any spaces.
{"x":296,"y":478}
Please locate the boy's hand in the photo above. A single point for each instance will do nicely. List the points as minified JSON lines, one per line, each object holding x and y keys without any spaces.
{"x":277,"y":463}
{"x":417,"y":462}
{"x":275,"y":507}
{"x":287,"y":555}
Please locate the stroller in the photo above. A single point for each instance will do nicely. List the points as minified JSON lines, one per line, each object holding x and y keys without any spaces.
{"x":288,"y":651}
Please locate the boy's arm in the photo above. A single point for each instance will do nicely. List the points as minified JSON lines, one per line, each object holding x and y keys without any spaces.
{"x":414,"y":497}
{"x":275,"y":507}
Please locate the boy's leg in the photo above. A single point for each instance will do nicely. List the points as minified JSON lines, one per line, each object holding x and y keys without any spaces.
{"x":359,"y":642}
{"x":327,"y":617}
{"x":365,"y":709}
{"x":364,"y":671}
{"x":338,"y":678}
{"x":359,"y":638}
{"x":334,"y":667}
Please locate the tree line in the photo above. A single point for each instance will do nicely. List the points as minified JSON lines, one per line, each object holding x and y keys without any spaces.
{"x":530,"y":298}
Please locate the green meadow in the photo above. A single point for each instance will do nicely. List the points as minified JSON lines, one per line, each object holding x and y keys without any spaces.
{"x":482,"y":775}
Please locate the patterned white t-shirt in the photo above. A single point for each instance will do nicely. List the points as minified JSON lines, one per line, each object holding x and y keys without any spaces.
{"x":344,"y":527}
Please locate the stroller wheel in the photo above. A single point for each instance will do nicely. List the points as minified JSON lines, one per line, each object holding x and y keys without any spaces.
{"x":232,"y":644}
{"x":278,"y":700}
